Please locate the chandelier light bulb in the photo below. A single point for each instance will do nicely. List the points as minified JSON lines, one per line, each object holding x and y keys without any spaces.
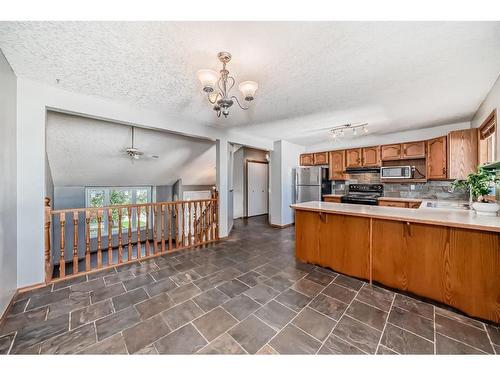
{"x":354,"y":131}
{"x":208,"y":79}
{"x":248,"y":89}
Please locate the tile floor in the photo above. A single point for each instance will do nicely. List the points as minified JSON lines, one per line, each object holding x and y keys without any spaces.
{"x":244,"y":295}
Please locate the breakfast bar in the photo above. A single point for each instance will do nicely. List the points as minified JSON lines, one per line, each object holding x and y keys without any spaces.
{"x":449,"y":256}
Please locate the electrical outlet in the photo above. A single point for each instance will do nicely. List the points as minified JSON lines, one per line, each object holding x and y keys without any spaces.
{"x":412,"y":187}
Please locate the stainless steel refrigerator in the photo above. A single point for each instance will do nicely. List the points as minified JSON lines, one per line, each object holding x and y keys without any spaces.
{"x":311,"y":183}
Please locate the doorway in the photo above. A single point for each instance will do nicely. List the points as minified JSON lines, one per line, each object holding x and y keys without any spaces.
{"x":257,"y":188}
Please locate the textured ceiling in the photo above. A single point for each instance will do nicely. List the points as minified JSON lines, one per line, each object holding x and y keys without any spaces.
{"x":311,"y":75}
{"x":86,"y":152}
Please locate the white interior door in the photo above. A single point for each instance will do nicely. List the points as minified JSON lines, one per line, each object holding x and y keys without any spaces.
{"x":257,"y":188}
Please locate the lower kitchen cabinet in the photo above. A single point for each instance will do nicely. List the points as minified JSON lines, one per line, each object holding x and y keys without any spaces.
{"x":307,"y":233}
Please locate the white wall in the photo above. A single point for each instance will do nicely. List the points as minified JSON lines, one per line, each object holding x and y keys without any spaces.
{"x":491,"y":102}
{"x":8,"y":186}
{"x":284,"y":159}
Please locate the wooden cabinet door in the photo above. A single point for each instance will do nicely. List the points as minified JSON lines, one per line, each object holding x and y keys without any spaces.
{"x":336,"y":165}
{"x":320,"y":158}
{"x":353,"y":157}
{"x":393,"y":204}
{"x":436,"y":159}
{"x":391,"y":152}
{"x":371,"y":156}
{"x":413,"y":150}
{"x":307,"y":226}
{"x":306,"y":160}
{"x":344,"y":244}
{"x":414,"y":204}
{"x":463,"y":153}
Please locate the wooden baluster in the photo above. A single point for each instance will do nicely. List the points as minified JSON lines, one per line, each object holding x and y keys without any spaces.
{"x":120,"y":244}
{"x":139,"y":247}
{"x":75,"y":242}
{"x":170,"y":219}
{"x":62,"y":265}
{"x":155,"y":229}
{"x":163,"y":228}
{"x":196,"y":223}
{"x":87,"y":240}
{"x":183,"y":221}
{"x":190,"y":239}
{"x":203,"y":217}
{"x":48,"y":255}
{"x":176,"y":225}
{"x":211,"y":221}
{"x":207,"y":222}
{"x":146,"y":210}
{"x":99,"y":233}
{"x":110,"y":236}
{"x":129,"y":212}
{"x":216,"y":215}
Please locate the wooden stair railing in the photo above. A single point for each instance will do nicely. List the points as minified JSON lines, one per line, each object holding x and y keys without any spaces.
{"x":91,"y":239}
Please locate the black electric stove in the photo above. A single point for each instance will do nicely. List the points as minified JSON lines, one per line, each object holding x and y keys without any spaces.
{"x":363,"y":194}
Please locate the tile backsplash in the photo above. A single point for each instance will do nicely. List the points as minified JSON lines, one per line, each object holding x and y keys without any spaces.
{"x":425,"y":190}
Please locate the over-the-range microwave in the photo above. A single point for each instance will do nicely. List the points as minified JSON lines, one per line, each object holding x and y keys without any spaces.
{"x":396,"y":172}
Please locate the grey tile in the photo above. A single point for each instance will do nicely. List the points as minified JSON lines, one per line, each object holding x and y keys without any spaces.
{"x":186,"y":265}
{"x":214,"y":323}
{"x":267,"y":350}
{"x":206,"y":270}
{"x":307,"y":287}
{"x":68,"y":282}
{"x":210,"y":299}
{"x":106,"y":292}
{"x":34,"y":292}
{"x":241,"y":306}
{"x":144,"y":333}
{"x":186,"y":277}
{"x":261,"y":293}
{"x":129,"y":298}
{"x":164,"y":273}
{"x":349,"y":282}
{"x":275,"y":314}
{"x":459,"y":317}
{"x":112,"y":345}
{"x":118,"y":277}
{"x":184,"y":293}
{"x":17,"y":307}
{"x":161,"y":286}
{"x":144,"y":269}
{"x":70,"y":342}
{"x":376,"y":296}
{"x":383,"y":350}
{"x":335,"y":345}
{"x":404,"y":342}
{"x":358,"y":334}
{"x":320,"y":278}
{"x":494,"y":333}
{"x":5,"y":343}
{"x":267,"y":270}
{"x":445,"y":345}
{"x":224,"y":344}
{"x":154,"y":305}
{"x":36,"y":333}
{"x":90,"y":313}
{"x":181,"y":314}
{"x":314,"y":323}
{"x":233,"y":288}
{"x":147,"y":350}
{"x":117,"y":322}
{"x":412,"y":322}
{"x":185,"y":340}
{"x":340,"y":293}
{"x":293,"y":300}
{"x":45,"y":299}
{"x":424,"y":309}
{"x":88,"y":286}
{"x":252,"y":278}
{"x":292,"y":340}
{"x":252,"y":334}
{"x":328,"y":306}
{"x":292,"y":273}
{"x":138,"y":282}
{"x":367,"y":314}
{"x":75,"y":301}
{"x":464,"y":333}
{"x":15,"y":322}
{"x":100,"y":274}
{"x":279,"y":282}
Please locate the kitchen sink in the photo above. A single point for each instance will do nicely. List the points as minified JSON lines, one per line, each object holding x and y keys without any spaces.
{"x":449,"y":205}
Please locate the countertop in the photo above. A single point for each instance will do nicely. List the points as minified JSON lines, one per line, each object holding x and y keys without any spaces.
{"x":333,"y":195}
{"x":426,"y":215}
{"x":399,"y":199}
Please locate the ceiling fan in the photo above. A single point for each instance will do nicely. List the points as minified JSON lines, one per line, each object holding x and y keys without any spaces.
{"x":134,"y":153}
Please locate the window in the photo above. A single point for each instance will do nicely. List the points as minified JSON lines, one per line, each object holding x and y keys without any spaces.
{"x":117,"y":196}
{"x":487,"y":139}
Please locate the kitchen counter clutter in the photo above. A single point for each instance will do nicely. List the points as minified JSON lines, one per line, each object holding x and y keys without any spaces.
{"x":448,"y":255}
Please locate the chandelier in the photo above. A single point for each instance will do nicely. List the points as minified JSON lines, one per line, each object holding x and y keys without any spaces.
{"x":342,"y":130}
{"x":218,"y":87}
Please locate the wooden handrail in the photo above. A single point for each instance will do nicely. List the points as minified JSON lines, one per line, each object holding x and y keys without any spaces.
{"x":171,"y":226}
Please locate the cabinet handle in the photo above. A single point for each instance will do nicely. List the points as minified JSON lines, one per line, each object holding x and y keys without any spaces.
{"x":444,"y":170}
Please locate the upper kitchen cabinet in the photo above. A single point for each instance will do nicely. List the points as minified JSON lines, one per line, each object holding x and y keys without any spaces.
{"x":336,"y":165}
{"x":306,"y":160}
{"x":413,"y":150}
{"x":353,"y":157}
{"x":462,"y":152}
{"x":437,"y":159}
{"x":320,"y":158}
{"x":371,"y":157}
{"x":391,"y":152}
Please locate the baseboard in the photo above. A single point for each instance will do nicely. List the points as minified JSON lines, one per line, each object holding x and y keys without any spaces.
{"x":281,"y":226}
{"x":9,"y":306}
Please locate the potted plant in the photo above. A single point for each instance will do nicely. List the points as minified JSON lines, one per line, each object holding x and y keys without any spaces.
{"x":479,"y":184}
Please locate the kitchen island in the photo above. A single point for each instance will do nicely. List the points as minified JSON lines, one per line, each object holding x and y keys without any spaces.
{"x":450,"y":256}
